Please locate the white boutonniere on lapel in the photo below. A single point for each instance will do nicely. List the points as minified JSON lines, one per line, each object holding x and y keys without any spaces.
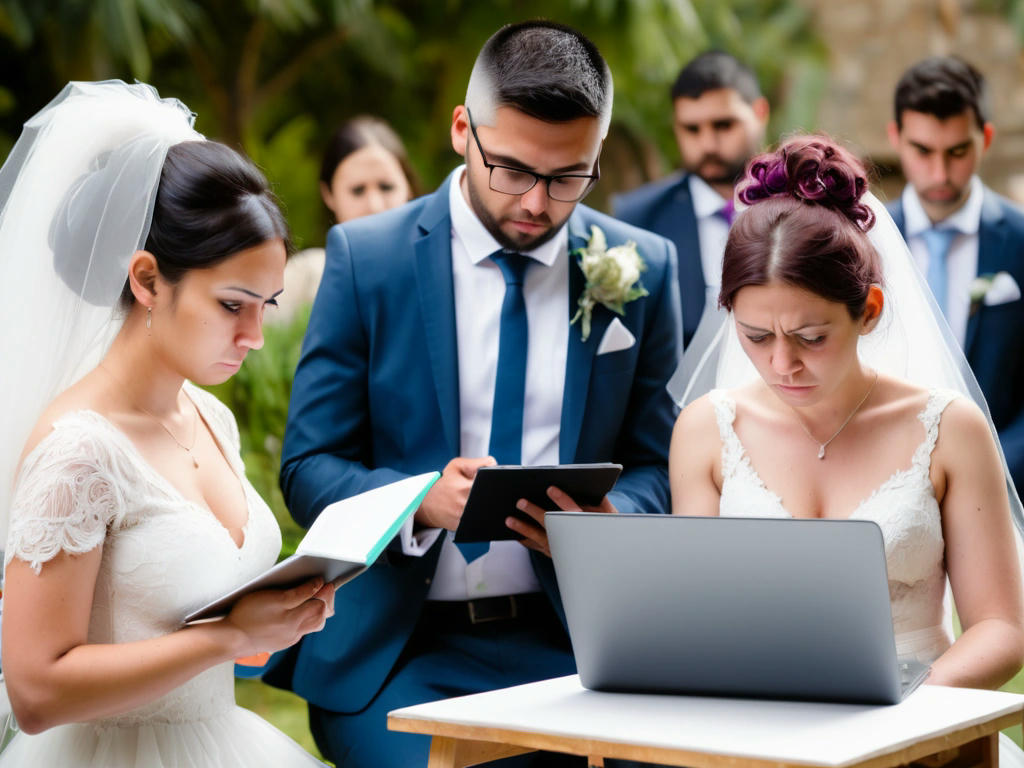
{"x":991,"y":289}
{"x":612,"y":274}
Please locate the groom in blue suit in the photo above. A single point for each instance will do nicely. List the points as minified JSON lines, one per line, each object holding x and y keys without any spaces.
{"x":441,"y":339}
{"x":967,"y":240}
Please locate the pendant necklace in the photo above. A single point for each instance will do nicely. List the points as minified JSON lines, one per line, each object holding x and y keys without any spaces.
{"x":823,"y":446}
{"x":195,"y":427}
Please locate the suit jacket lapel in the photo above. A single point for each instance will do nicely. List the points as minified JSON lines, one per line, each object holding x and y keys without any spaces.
{"x":437,"y":307}
{"x":580,"y":354}
{"x":692,"y":285}
{"x":991,"y":247}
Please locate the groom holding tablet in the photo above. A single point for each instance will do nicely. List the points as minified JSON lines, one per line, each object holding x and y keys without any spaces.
{"x":455,"y":332}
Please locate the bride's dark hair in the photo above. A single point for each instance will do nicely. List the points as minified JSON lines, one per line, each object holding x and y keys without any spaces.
{"x":211,"y":203}
{"x":805,"y":225}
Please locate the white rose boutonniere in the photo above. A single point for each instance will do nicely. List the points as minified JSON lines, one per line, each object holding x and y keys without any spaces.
{"x":613,"y":277}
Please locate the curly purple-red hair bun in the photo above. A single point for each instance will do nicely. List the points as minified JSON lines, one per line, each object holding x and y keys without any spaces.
{"x":814,"y":170}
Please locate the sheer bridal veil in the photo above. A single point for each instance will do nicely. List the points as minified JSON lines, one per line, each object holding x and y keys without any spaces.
{"x":76,"y":200}
{"x":912,"y":341}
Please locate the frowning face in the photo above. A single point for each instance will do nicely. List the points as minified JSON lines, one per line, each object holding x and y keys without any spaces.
{"x":803,"y":345}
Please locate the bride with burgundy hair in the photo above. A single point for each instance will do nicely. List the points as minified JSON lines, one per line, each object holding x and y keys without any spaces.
{"x":837,"y":395}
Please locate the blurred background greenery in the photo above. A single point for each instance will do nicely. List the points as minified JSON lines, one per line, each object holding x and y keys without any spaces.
{"x":275,"y":77}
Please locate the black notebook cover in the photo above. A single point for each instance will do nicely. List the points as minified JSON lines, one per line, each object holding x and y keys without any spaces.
{"x":496,"y":490}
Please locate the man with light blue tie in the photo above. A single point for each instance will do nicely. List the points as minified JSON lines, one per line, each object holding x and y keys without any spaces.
{"x":441,"y":339}
{"x":967,"y":240}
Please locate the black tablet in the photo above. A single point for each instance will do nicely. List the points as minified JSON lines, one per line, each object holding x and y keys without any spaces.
{"x":496,"y":490}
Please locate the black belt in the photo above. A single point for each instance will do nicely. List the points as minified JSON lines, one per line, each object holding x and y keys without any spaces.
{"x":530,"y":607}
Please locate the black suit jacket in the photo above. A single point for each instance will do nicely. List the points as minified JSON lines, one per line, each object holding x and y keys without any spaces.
{"x":665,"y":207}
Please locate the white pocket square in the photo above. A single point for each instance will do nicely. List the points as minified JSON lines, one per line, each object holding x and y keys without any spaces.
{"x":616,"y":338}
{"x":1003,"y":290}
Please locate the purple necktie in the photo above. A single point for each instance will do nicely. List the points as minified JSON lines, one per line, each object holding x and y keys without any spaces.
{"x":728,"y":211}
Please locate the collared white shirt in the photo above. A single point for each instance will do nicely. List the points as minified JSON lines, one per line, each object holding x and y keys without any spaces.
{"x":712,"y":230}
{"x":962,"y":259}
{"x":479,"y":289}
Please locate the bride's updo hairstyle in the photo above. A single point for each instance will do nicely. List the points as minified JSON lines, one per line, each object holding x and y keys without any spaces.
{"x":805,"y":225}
{"x":211,"y":203}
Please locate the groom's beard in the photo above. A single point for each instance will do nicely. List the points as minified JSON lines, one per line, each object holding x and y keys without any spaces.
{"x":518,"y":241}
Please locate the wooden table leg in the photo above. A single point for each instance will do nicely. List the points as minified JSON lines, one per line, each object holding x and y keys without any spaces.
{"x":990,"y":751}
{"x":442,"y":752}
{"x":595,"y":761}
{"x":980,"y":753}
{"x":446,"y":752}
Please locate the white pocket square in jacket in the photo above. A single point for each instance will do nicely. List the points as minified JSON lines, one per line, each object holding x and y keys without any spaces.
{"x":992,"y":290}
{"x":616,"y":338}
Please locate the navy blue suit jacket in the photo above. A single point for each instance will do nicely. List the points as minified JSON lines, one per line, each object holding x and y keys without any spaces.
{"x":375,"y":399}
{"x":666,"y":208}
{"x":994,"y":344}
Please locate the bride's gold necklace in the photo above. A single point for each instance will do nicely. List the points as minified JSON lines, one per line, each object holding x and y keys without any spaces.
{"x":823,"y":446}
{"x":195,"y":423}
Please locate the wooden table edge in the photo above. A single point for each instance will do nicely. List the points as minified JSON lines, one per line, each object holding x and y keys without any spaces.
{"x":503,"y":738}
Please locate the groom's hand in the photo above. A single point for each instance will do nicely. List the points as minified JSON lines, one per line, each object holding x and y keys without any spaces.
{"x":535,"y":536}
{"x":443,"y":505}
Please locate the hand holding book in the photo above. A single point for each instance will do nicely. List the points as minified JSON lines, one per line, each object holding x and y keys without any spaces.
{"x":344,"y":540}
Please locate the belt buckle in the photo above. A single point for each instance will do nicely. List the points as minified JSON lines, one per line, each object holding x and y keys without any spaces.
{"x":474,"y":618}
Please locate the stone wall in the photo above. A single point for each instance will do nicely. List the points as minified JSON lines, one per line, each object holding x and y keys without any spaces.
{"x":871,"y":42}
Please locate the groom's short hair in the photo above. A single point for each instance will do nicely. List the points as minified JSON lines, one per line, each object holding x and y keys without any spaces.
{"x":714,"y":71}
{"x":942,"y":86}
{"x":543,"y":69}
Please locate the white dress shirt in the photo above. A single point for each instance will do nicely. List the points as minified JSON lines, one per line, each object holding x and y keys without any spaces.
{"x":479,"y":289}
{"x":962,"y":259}
{"x":712,"y":231}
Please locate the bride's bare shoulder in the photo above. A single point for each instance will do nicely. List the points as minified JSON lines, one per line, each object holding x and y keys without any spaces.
{"x":699,"y":416}
{"x":85,"y":394}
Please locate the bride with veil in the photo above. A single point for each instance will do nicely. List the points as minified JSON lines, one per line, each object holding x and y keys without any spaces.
{"x":138,"y":258}
{"x":830,"y":388}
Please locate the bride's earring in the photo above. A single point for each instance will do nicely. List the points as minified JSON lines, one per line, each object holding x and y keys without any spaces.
{"x":149,"y":318}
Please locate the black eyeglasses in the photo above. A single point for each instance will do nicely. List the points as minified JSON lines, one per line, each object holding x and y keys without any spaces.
{"x":566,"y":187}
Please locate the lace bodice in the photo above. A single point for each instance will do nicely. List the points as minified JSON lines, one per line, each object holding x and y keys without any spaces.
{"x":85,"y":485}
{"x":904,"y":507}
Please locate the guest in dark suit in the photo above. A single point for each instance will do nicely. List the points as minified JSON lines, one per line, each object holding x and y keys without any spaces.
{"x":428,"y":348}
{"x":719,"y":121}
{"x":967,"y":240}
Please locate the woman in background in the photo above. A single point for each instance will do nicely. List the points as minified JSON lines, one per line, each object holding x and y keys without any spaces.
{"x":365,"y":170}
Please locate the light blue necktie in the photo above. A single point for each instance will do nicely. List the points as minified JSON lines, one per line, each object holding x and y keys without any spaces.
{"x":938,"y":242}
{"x":506,"y":443}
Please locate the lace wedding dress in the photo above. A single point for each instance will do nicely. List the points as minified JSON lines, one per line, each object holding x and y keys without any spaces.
{"x":904,"y":507}
{"x":86,"y":485}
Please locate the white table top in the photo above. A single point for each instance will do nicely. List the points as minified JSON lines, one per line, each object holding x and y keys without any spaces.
{"x":783,"y":731}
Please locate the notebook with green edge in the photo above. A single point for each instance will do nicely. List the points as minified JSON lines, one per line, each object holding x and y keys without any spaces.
{"x":344,"y":540}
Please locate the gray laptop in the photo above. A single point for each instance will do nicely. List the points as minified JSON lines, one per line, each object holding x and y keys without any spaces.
{"x":752,"y":607}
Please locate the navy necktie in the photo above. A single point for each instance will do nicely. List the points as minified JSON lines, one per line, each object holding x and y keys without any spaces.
{"x":938,"y":242}
{"x":510,"y":384}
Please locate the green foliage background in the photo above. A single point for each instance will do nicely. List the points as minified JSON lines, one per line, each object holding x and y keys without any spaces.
{"x":274,"y":77}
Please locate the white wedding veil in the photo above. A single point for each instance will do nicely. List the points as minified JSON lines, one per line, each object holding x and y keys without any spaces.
{"x":912,"y":340}
{"x":76,"y":200}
